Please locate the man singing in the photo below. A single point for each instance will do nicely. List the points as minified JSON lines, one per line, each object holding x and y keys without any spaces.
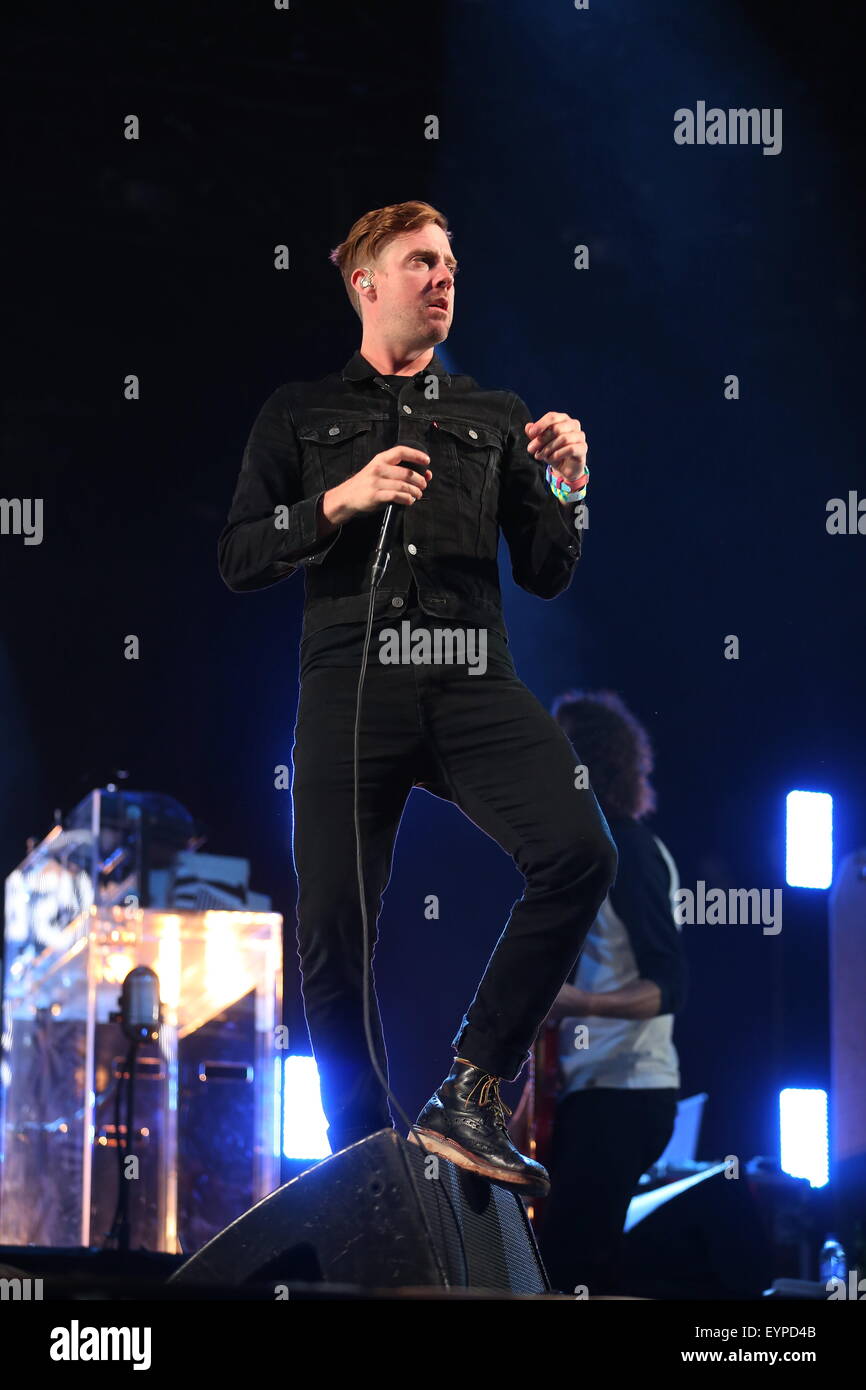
{"x":460,"y":463}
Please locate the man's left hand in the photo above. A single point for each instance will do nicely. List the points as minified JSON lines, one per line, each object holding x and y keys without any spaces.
{"x":560,"y":441}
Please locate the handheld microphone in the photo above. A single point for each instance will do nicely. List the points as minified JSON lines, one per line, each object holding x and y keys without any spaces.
{"x":382,"y":553}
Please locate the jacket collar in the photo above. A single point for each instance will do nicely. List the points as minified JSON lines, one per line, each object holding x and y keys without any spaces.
{"x":359,"y":369}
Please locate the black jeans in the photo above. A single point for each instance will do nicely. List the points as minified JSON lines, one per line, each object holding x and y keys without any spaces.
{"x":487,"y":744}
{"x":603,"y":1140}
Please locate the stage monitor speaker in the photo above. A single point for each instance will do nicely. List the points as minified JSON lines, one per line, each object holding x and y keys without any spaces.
{"x":379,"y":1214}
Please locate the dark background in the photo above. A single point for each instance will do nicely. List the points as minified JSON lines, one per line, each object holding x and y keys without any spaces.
{"x":261,"y":127}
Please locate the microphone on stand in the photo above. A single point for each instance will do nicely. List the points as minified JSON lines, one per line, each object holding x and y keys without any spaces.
{"x":140,"y":1009}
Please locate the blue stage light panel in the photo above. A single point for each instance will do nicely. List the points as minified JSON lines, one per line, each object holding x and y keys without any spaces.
{"x":809,"y":839}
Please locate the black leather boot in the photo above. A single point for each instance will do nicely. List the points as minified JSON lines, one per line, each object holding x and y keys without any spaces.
{"x":465,"y":1122}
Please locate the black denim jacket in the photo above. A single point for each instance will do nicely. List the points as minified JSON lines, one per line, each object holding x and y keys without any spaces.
{"x":310,"y":436}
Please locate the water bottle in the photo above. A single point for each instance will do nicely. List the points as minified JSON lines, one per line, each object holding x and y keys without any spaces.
{"x":833,"y":1262}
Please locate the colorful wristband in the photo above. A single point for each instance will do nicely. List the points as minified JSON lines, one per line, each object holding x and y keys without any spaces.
{"x":562,"y":487}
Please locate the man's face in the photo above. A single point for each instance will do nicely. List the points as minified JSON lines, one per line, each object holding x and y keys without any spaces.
{"x":414,"y":283}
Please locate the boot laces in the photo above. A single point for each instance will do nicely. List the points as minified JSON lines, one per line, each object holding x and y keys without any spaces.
{"x":489,"y":1095}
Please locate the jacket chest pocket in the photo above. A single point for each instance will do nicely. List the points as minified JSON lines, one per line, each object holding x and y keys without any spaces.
{"x":333,"y":450}
{"x":471,"y":459}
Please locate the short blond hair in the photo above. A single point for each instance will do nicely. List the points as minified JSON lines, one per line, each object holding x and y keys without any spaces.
{"x":372,"y":232}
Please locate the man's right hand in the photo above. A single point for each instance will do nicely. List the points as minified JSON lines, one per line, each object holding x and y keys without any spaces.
{"x":379,"y":482}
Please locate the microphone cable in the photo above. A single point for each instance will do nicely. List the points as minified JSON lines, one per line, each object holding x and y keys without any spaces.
{"x":378,"y":570}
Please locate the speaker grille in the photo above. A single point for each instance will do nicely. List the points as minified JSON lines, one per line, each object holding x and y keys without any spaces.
{"x":500,"y":1249}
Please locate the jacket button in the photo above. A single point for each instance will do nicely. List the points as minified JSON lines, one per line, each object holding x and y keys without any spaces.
{"x":335,"y":429}
{"x":396,"y":603}
{"x":473,"y":434}
{"x":412,"y":549}
{"x":407,"y":410}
